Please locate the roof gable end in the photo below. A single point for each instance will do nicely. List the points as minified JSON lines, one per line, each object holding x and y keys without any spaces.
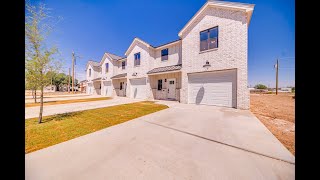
{"x":248,"y":8}
{"x":133,"y":44}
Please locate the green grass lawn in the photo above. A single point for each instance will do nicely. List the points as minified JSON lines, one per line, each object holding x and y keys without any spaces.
{"x":59,"y":128}
{"x":66,"y":101}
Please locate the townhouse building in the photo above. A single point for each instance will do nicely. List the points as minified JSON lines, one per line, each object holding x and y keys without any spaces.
{"x":207,"y":65}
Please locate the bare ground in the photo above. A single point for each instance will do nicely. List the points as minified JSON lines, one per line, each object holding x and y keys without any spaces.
{"x":277,"y":113}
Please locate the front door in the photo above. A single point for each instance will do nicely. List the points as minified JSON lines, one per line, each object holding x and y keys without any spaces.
{"x":122,"y":89}
{"x":171,"y":88}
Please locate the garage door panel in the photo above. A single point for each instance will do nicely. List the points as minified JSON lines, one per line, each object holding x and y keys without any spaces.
{"x":107,"y":88}
{"x":213,"y":88}
{"x":138,"y":88}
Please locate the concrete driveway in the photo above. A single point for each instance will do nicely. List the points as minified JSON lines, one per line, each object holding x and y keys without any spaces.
{"x":182,"y":142}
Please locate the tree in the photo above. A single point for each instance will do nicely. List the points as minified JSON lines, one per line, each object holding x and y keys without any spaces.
{"x":32,"y":83}
{"x":260,"y":86}
{"x":60,"y":79}
{"x":39,"y":59}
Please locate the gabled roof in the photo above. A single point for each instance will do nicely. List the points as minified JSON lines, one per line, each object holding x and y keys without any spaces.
{"x":94,"y":64}
{"x":111,"y":56}
{"x":148,"y":45}
{"x":136,"y":40}
{"x":248,"y":8}
{"x":167,"y":44}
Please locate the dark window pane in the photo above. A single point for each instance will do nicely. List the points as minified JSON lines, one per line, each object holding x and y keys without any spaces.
{"x":203,"y":45}
{"x":164,"y":52}
{"x":209,"y":39}
{"x":163,"y":58}
{"x":137,"y":59}
{"x":213,"y":38}
{"x":123,"y":64}
{"x":213,"y":43}
{"x":213,"y":33}
{"x":204,"y":36}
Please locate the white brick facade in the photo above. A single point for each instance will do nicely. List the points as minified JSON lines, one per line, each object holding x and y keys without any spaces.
{"x":232,"y":53}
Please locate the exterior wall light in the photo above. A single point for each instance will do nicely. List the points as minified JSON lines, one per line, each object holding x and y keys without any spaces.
{"x":207,"y":64}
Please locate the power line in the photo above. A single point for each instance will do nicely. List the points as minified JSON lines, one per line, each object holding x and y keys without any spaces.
{"x":287,"y":68}
{"x":286,"y":58}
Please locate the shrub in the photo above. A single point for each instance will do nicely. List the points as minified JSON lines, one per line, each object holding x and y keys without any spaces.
{"x":293,"y":89}
{"x":260,"y":86}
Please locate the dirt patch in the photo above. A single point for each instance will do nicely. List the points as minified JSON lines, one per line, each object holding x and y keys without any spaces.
{"x":277,"y":113}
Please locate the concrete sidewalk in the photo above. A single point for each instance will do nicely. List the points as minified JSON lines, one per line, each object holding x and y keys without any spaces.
{"x":58,"y":95}
{"x":182,"y":142}
{"x":31,"y":112}
{"x":61,"y":98}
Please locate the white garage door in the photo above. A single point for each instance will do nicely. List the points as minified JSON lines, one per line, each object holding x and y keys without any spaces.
{"x":138,"y":88}
{"x":213,"y":88}
{"x":107,"y":88}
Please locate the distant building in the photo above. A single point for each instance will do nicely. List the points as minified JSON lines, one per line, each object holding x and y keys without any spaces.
{"x":287,"y":89}
{"x":50,"y":88}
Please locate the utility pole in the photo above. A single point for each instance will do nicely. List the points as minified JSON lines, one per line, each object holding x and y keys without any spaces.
{"x":277,"y":71}
{"x":69,"y":82}
{"x":73,"y":58}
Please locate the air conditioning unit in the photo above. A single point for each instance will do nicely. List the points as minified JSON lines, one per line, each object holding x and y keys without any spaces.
{"x":134,"y":74}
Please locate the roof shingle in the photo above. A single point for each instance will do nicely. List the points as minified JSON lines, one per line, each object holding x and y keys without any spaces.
{"x":119,"y":76}
{"x":165,"y":69}
{"x":113,"y":56}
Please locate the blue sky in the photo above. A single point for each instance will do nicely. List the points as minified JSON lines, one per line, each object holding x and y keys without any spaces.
{"x":92,"y":27}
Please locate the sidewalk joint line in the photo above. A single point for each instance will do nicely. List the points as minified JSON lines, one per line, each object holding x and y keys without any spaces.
{"x":220,"y":142}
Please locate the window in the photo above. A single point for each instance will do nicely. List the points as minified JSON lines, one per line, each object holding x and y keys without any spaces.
{"x":89,"y":72}
{"x":164,"y":54}
{"x":123,"y":63}
{"x":160,"y":84}
{"x":171,"y":82}
{"x":209,"y":39}
{"x":137,"y":59}
{"x":121,"y":85}
{"x":107,"y":67}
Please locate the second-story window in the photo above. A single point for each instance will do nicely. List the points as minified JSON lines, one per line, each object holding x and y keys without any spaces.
{"x":137,"y":59}
{"x":123,"y":64}
{"x":209,"y":39}
{"x":107,"y":67}
{"x":164,"y":54}
{"x":89,"y":72}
